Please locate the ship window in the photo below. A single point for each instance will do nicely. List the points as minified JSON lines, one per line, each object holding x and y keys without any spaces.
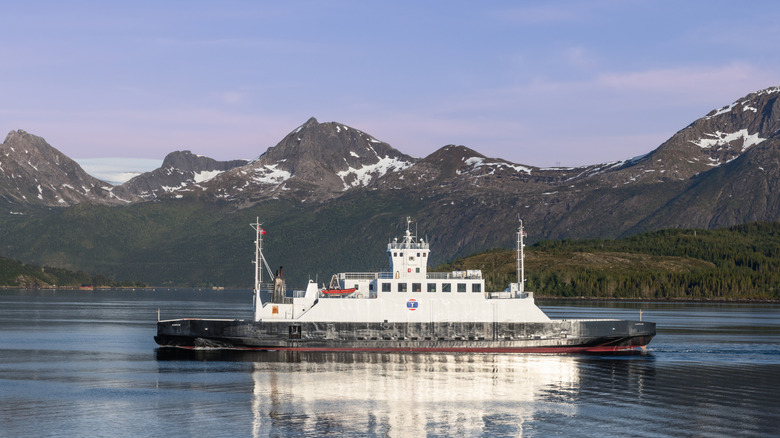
{"x":425,"y":254}
{"x":446,"y":287}
{"x":418,"y":254}
{"x":401,"y":287}
{"x":371,"y":286}
{"x":476,"y":287}
{"x":395,"y":254}
{"x":461,"y":287}
{"x":417,"y":270}
{"x":416,"y":287}
{"x":431,"y":287}
{"x":385,"y":287}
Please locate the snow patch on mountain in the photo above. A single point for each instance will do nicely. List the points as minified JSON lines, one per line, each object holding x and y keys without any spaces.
{"x":478,"y":162}
{"x":365,"y":174}
{"x":205,"y":175}
{"x":269,"y":174}
{"x":724,"y":110}
{"x":722,"y":138}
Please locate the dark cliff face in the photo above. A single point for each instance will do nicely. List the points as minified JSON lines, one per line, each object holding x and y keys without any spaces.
{"x":33,"y":172}
{"x":743,"y":190}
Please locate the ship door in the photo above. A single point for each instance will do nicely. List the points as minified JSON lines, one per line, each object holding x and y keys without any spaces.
{"x":295,"y":331}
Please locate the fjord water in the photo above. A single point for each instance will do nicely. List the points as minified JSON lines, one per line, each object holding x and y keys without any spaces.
{"x":77,"y":363}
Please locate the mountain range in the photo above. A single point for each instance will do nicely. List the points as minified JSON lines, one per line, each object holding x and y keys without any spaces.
{"x":335,"y":194}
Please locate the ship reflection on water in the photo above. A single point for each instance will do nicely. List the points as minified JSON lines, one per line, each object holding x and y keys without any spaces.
{"x":303,"y":393}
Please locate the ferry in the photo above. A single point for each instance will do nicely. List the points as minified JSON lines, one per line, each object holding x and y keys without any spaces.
{"x":403,"y":309}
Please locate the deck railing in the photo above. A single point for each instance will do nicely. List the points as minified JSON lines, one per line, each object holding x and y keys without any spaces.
{"x":365,"y":275}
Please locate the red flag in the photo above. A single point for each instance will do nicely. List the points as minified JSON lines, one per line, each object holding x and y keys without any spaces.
{"x":260,"y":231}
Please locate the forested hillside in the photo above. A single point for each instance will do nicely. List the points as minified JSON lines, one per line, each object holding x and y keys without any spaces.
{"x":736,"y":263}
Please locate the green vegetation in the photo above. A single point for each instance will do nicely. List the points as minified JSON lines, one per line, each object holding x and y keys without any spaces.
{"x":737,"y":263}
{"x":198,"y":244}
{"x":14,"y":273}
{"x":188,"y":243}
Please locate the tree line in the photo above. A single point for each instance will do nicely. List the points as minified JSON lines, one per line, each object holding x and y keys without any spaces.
{"x":14,"y":273}
{"x":736,"y":263}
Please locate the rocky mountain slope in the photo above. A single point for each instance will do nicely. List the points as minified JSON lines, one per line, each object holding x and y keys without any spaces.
{"x":315,"y":162}
{"x":32,"y":172}
{"x":181,"y":170}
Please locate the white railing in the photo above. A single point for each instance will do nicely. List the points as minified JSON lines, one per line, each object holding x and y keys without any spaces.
{"x":407,"y":245}
{"x":472,"y":275}
{"x":507,"y":295}
{"x":365,"y":275}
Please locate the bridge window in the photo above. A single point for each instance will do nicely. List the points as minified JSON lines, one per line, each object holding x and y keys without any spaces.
{"x":431,"y":287}
{"x":416,"y":287}
{"x":461,"y":287}
{"x":401,"y":287}
{"x":446,"y":287}
{"x":476,"y":287}
{"x":385,"y":287}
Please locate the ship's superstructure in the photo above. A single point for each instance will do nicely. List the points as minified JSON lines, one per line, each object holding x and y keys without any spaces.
{"x":407,"y":292}
{"x":405,"y":308}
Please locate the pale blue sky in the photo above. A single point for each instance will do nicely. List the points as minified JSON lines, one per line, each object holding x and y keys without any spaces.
{"x":539,"y":83}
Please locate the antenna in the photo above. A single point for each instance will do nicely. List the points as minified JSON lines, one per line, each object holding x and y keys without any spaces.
{"x":520,"y":258}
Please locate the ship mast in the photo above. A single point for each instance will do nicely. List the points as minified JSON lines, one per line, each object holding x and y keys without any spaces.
{"x":520,"y":258}
{"x":259,"y":263}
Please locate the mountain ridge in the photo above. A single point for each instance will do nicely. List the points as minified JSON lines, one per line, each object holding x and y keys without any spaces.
{"x":722,"y":169}
{"x":34,"y":172}
{"x":320,"y":161}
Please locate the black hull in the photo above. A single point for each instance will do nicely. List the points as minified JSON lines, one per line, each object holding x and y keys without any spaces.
{"x":560,"y":336}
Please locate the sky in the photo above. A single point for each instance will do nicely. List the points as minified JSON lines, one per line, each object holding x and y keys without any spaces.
{"x":562,"y":83}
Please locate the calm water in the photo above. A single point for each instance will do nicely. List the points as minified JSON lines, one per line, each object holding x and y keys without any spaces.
{"x":84,"y":364}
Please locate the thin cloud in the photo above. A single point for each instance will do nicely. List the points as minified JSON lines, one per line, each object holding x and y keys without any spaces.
{"x":687,"y":80}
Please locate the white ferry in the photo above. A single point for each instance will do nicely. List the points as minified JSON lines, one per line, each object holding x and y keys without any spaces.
{"x":405,"y":308}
